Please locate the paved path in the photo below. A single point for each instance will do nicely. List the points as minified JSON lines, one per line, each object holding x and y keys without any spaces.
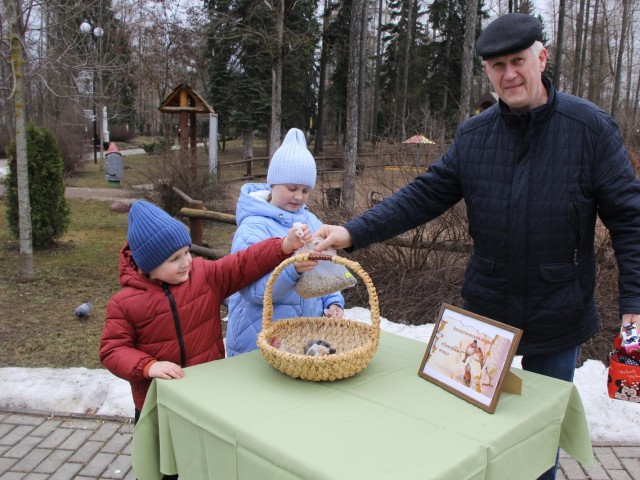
{"x":38,"y":445}
{"x":106,"y":194}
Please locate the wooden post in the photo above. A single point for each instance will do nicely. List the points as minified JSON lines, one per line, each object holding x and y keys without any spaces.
{"x":193,"y":138}
{"x":196,"y":225}
{"x":184,"y":138}
{"x":184,"y":128}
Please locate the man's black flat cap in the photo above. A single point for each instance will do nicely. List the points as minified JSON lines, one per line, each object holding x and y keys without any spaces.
{"x":508,"y":34}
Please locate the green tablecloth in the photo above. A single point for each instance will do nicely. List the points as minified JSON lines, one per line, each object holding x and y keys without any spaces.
{"x":239,"y":418}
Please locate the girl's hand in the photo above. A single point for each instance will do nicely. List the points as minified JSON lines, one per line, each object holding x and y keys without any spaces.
{"x":302,"y":267}
{"x":296,"y":238}
{"x":334,"y":311}
{"x":166,"y":370}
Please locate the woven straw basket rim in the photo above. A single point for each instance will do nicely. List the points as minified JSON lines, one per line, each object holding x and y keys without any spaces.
{"x":356,"y":342}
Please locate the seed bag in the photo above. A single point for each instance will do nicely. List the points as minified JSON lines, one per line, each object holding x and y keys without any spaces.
{"x":325,"y":278}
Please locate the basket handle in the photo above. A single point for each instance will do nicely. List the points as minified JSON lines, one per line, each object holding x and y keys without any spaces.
{"x":267,"y":310}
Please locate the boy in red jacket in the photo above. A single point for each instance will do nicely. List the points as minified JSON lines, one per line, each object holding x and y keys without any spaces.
{"x":167,"y":314}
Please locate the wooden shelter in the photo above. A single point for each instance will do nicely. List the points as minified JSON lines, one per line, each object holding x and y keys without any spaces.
{"x":487,"y":99}
{"x":187,"y":103}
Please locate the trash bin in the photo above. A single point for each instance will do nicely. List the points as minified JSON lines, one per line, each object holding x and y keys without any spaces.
{"x":115,"y":166}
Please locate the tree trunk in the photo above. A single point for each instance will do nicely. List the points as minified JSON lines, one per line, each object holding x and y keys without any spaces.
{"x":615,"y":100}
{"x":376,"y":76}
{"x":583,"y":49}
{"x":247,"y":142}
{"x":467,"y":60}
{"x":629,"y":121}
{"x":324,"y":58}
{"x":593,"y":49}
{"x":276,"y":83}
{"x":16,"y":28}
{"x":351,"y":131}
{"x":361,"y":77}
{"x":406,"y":62}
{"x":577,"y":62}
{"x":557,"y":66}
{"x":634,"y":114}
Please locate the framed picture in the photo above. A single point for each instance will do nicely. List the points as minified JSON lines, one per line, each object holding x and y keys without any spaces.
{"x":470,"y":355}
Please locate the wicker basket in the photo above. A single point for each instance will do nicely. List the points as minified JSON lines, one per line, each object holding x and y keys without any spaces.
{"x":355,"y":342}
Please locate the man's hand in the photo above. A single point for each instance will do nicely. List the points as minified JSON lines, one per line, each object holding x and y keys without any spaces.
{"x":333,"y":236}
{"x":631,"y":318}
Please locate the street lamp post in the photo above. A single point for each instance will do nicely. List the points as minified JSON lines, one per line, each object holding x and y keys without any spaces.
{"x":96,"y":33}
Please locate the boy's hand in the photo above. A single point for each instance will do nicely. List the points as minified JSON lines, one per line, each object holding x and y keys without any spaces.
{"x":166,"y":370}
{"x":296,"y":238}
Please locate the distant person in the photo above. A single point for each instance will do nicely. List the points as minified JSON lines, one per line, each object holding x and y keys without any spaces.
{"x":270,"y":209}
{"x":167,"y":314}
{"x":535,"y":170}
{"x":113,"y":148}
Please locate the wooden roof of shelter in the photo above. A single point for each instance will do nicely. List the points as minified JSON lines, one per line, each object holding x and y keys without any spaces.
{"x":184,"y":99}
{"x":488,"y":99}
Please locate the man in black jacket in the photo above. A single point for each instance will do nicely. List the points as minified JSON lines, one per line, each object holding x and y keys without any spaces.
{"x":534,"y":170}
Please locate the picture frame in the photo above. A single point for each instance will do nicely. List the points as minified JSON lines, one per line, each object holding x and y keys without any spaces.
{"x":470,"y":355}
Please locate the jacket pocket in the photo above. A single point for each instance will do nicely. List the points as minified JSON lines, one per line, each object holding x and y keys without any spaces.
{"x":480,"y":282}
{"x":559,"y":272}
{"x":484,"y":289}
{"x":482,"y":264}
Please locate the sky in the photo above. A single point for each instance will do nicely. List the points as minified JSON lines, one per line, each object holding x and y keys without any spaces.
{"x":81,"y":390}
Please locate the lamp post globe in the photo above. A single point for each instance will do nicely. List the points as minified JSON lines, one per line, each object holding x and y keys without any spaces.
{"x":85,"y":27}
{"x":96,"y":33}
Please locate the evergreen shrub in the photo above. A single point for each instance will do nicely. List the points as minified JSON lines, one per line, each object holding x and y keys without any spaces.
{"x":50,"y":213}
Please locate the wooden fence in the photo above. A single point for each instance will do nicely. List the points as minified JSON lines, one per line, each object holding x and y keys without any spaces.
{"x":257,"y":166}
{"x":197,"y":215}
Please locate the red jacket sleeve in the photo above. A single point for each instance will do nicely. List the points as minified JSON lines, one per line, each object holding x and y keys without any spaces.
{"x":117,"y":346}
{"x":237,"y":270}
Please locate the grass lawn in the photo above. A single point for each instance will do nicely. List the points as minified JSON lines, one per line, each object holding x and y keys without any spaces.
{"x":38,"y":326}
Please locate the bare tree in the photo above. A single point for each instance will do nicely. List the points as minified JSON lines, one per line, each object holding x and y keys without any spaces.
{"x":467,"y":60}
{"x":406,"y":63}
{"x":351,"y":133}
{"x":376,"y":74}
{"x":276,"y":80}
{"x":15,"y":18}
{"x":557,"y":66}
{"x":619,"y":67}
{"x":362,"y":77}
{"x":579,"y":53}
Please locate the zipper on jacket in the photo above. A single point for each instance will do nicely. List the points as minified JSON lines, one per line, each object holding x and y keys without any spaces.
{"x":176,"y":320}
{"x":577,"y":238}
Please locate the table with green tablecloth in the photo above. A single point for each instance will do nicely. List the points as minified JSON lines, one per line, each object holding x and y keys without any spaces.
{"x":239,"y":418}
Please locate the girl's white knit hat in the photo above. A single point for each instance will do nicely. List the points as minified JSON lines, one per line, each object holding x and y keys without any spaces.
{"x":292,"y":163}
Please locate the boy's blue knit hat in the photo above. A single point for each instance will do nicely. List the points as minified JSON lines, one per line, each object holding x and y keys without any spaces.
{"x":292,"y":163}
{"x":154,"y":235}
